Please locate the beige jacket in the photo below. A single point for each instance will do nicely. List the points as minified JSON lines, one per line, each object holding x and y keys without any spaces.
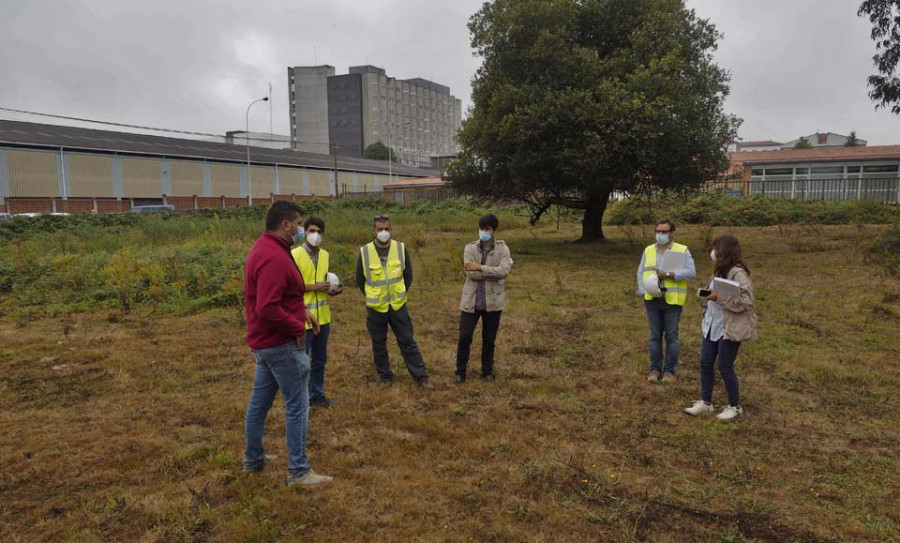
{"x":740,"y":310}
{"x":493,"y":272}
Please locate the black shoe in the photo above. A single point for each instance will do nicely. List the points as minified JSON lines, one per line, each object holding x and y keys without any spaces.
{"x":423,"y":383}
{"x":387,"y":382}
{"x":323,"y":402}
{"x":459,"y":379}
{"x":489,"y":378}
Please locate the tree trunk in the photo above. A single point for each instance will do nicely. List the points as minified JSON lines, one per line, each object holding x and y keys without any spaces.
{"x":592,"y":224}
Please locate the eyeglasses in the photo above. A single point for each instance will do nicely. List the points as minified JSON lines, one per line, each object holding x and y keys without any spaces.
{"x":663,"y":231}
{"x":380,"y":218}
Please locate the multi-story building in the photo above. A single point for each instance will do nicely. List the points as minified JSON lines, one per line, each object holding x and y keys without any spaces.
{"x":416,"y":118}
{"x":307,"y":86}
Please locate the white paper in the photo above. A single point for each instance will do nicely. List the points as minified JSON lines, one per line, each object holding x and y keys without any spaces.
{"x":726,"y":287}
{"x":672,"y":262}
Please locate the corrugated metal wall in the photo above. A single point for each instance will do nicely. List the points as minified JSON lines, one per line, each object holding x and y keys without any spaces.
{"x":187,"y":178}
{"x":291,"y":180}
{"x":32,"y":173}
{"x":319,"y":182}
{"x":88,"y":175}
{"x":226,"y":180}
{"x":141,"y":177}
{"x":51,"y":174}
{"x":262,"y":180}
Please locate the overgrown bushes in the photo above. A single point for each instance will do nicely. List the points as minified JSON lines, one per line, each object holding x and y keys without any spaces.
{"x":717,"y":209}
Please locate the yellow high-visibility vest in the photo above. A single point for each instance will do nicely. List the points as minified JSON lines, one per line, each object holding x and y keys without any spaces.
{"x":316,"y":302}
{"x":384,"y":288}
{"x":676,"y":291}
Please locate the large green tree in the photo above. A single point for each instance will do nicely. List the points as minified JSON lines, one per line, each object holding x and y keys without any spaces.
{"x":379,"y":151}
{"x":885,"y":18}
{"x":576,"y":99}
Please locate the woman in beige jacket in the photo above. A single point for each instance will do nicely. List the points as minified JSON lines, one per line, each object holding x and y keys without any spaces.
{"x":728,"y":320}
{"x":487,"y":263}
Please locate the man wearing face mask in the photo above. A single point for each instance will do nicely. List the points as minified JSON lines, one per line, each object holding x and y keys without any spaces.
{"x":664,"y":312}
{"x":313,"y":261}
{"x":487,"y":263}
{"x":273,"y":290}
{"x":384,"y":275}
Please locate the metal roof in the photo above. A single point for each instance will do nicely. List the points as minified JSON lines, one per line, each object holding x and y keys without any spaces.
{"x":46,"y":136}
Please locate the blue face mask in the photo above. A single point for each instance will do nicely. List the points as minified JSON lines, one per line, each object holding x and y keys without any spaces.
{"x":299,"y":236}
{"x":662,"y":239}
{"x":485,"y":236}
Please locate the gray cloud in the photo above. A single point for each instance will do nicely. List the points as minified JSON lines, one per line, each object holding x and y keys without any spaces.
{"x":797,"y":66}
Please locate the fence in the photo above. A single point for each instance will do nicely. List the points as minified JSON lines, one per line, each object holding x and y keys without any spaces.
{"x":885,"y":190}
{"x":407,"y":196}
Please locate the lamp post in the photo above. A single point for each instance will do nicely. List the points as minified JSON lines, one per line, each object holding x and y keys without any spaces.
{"x":247,"y":134}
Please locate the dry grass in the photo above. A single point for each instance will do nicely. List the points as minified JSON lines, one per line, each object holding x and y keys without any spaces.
{"x":129,"y":427}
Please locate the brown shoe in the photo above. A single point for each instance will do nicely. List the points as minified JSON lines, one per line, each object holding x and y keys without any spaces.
{"x":426,"y":385}
{"x":653,"y":377}
{"x":668,"y":377}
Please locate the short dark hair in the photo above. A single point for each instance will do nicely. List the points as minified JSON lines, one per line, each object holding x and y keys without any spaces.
{"x":381,"y":218}
{"x":316,"y":221}
{"x":667,"y":221}
{"x":281,"y":210}
{"x":489,"y":221}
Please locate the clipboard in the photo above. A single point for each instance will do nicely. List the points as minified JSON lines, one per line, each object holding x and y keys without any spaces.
{"x":672,"y":262}
{"x":726,"y":287}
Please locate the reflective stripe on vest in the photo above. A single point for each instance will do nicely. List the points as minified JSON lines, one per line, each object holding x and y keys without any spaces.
{"x":676,"y":291}
{"x":316,"y":302}
{"x":388,"y":290}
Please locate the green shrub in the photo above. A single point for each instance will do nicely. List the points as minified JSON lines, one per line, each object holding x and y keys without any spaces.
{"x":722,"y":210}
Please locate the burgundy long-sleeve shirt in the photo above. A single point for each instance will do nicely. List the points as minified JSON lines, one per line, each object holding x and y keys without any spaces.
{"x":273,"y":294}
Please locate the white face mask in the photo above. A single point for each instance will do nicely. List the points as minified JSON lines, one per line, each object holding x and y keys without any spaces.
{"x":712,"y":255}
{"x":314,"y":239}
{"x":383,"y":236}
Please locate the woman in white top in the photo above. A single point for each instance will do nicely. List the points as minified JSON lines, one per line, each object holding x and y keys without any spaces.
{"x":728,"y":320}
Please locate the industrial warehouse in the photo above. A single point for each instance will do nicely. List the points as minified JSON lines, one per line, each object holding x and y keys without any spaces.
{"x":61,"y":169}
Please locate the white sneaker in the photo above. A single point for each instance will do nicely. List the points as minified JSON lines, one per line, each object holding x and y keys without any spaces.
{"x":730,"y":412}
{"x":310,"y":478}
{"x":700,"y":407}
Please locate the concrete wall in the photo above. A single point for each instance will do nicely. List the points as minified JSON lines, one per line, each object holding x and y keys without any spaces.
{"x":308,"y":91}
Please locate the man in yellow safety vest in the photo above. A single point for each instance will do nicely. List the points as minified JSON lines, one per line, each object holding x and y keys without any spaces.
{"x":384,"y":274}
{"x":662,"y":279}
{"x":312,"y":261}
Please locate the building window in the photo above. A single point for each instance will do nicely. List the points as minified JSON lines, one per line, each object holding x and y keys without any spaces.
{"x":853,"y":169}
{"x":880,"y":169}
{"x":827,"y":169}
{"x":779,"y":171}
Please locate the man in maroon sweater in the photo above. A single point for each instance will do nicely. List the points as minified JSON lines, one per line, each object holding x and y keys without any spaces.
{"x":276,"y":315}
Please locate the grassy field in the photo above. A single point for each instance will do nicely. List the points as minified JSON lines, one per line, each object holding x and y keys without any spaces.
{"x":122,"y":410}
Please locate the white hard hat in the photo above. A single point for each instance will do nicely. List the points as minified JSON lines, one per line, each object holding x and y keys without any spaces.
{"x":333,"y":280}
{"x":651,"y":286}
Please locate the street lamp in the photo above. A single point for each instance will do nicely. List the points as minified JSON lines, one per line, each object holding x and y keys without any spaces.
{"x":247,"y":133}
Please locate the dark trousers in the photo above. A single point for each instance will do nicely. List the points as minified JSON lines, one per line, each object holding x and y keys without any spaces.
{"x":317,"y":350}
{"x":489,"y":325}
{"x":401,"y":323}
{"x":726,"y":353}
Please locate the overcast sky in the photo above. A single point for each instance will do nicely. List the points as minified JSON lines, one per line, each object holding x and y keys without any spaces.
{"x":798,"y":66}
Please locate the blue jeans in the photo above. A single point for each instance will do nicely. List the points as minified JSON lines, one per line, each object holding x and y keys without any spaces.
{"x":663,"y":319}
{"x":726,"y":353}
{"x":286,"y":368}
{"x":317,"y":350}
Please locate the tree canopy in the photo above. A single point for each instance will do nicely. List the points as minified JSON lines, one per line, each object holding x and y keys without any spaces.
{"x":576,"y":99}
{"x":885,"y":18}
{"x":852,"y":140}
{"x":378,"y":151}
